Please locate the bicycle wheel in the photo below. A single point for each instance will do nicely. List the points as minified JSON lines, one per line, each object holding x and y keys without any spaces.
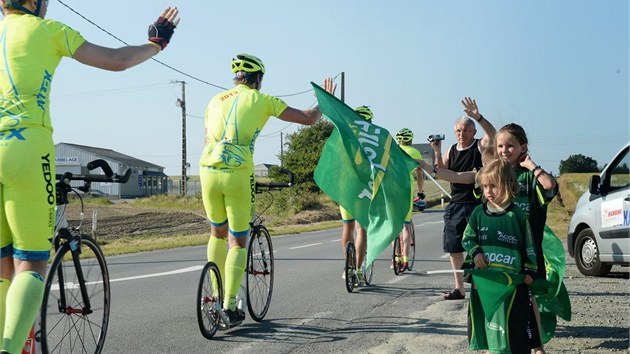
{"x":412,"y":248}
{"x":397,"y":255}
{"x":368,"y":272}
{"x":71,"y":321}
{"x":209,"y":300}
{"x":259,"y":273}
{"x":350,"y":268}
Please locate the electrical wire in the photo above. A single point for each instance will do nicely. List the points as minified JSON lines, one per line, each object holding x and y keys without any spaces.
{"x":161,"y":62}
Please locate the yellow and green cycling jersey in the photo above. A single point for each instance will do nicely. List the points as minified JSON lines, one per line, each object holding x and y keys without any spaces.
{"x":234,"y":119}
{"x":31,"y":49}
{"x":416,"y":155}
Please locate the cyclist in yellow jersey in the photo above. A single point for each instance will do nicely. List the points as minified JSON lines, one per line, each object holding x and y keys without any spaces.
{"x":404,"y":138}
{"x":350,"y":224}
{"x":32,"y":47}
{"x":234,"y":119}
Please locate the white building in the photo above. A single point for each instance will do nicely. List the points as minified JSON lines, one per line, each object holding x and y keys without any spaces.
{"x":146,"y":178}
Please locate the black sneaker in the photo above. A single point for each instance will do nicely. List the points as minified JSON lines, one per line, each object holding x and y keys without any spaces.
{"x":235,"y":317}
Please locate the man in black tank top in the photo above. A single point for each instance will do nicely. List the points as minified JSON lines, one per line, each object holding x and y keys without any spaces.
{"x":461,"y":157}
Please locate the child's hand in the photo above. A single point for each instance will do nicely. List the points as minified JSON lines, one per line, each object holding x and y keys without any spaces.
{"x":480,"y":261}
{"x":528,"y":280}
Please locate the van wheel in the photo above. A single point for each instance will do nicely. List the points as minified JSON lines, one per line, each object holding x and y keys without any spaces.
{"x":587,"y":255}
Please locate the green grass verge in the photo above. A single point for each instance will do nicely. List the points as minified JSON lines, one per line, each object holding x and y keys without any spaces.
{"x":559,"y":214}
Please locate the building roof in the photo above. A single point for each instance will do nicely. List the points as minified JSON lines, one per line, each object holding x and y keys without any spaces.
{"x":113,"y":155}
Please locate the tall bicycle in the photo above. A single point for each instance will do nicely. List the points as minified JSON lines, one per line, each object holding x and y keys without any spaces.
{"x":397,"y":256}
{"x":259,"y":274}
{"x":76,"y":304}
{"x":351,"y":277}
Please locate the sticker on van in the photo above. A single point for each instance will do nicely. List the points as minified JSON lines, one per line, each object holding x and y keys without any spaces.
{"x":612,"y":213}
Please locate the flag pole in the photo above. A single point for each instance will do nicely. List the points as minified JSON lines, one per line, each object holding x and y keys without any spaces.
{"x":437,"y":184}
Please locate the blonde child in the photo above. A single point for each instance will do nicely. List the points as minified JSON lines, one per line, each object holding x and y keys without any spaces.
{"x":498,"y":238}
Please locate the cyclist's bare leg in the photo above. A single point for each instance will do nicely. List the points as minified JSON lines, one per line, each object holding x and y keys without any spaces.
{"x":346,"y":235}
{"x":406,"y":238}
{"x":360,"y":243}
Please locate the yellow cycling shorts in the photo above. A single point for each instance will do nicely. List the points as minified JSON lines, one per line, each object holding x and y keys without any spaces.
{"x":228,"y":196}
{"x":27,"y":193}
{"x":345,"y":215}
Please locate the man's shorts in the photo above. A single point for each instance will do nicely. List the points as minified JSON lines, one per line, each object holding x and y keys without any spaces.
{"x":27,"y":195}
{"x":455,"y":220}
{"x":228,"y":196}
{"x":345,"y":215}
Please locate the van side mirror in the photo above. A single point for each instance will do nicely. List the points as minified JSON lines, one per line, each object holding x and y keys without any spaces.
{"x":593,"y":184}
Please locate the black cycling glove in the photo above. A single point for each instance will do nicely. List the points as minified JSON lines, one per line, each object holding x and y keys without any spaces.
{"x":161,"y":31}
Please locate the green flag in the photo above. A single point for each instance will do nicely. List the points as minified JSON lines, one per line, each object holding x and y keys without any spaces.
{"x":363,"y":170}
{"x":556,"y":302}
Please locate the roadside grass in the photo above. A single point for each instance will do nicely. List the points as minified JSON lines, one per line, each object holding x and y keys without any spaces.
{"x":287,"y":205}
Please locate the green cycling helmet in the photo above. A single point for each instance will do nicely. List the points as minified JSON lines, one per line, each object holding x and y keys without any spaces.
{"x":365,"y":112}
{"x":404,"y":135}
{"x":247,"y":63}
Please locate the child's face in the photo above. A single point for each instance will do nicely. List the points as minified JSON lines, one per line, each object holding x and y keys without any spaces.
{"x":491,"y":192}
{"x":508,"y":148}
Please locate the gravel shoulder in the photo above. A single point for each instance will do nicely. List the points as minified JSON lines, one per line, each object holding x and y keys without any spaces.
{"x":600,"y":320}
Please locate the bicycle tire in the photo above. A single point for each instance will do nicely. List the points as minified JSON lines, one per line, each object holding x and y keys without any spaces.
{"x":74,"y":328}
{"x":397,"y":255}
{"x":209,"y":300}
{"x":412,"y":248}
{"x":350,"y":267}
{"x":259,"y":275}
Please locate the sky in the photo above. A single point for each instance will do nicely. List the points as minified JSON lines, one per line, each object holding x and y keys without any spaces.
{"x":557,"y":68}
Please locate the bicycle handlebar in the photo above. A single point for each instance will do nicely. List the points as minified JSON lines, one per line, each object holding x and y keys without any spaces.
{"x":260,"y":186}
{"x":109,"y":175}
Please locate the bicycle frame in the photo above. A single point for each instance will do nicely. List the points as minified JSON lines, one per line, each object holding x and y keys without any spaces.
{"x":72,"y":301}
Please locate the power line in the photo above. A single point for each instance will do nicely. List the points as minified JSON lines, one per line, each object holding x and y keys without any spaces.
{"x":162,"y":63}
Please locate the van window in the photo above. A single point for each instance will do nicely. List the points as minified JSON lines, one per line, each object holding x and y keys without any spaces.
{"x":620,"y":177}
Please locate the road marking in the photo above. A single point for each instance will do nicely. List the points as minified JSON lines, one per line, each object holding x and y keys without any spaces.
{"x":172,"y":272}
{"x":337,"y":240}
{"x":445,"y":255}
{"x":70,"y":285}
{"x":312,"y":244}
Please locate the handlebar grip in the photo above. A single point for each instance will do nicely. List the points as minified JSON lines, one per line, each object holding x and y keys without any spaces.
{"x":116,"y":178}
{"x":103,"y":165}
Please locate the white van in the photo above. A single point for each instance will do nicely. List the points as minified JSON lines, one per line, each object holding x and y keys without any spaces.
{"x":599,"y":231}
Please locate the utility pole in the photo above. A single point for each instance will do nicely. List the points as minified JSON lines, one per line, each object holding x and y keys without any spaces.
{"x":281,"y":150}
{"x":182,"y":104}
{"x":343,"y":81}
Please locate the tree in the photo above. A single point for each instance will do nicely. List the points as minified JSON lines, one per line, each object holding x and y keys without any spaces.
{"x":303,"y":150}
{"x":578,"y":164}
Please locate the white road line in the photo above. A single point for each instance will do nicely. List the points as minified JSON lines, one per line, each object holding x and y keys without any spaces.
{"x":337,"y":240}
{"x":70,"y":285}
{"x":312,"y":244}
{"x":445,"y":255}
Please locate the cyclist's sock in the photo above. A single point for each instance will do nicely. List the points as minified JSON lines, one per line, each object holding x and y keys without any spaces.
{"x":404,"y":259}
{"x":23,"y":302}
{"x":4,"y":287}
{"x":234,"y":269}
{"x":217,"y":252}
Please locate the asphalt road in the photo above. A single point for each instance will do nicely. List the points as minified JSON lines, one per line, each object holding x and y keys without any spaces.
{"x":153,"y":303}
{"x":153,"y":298}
